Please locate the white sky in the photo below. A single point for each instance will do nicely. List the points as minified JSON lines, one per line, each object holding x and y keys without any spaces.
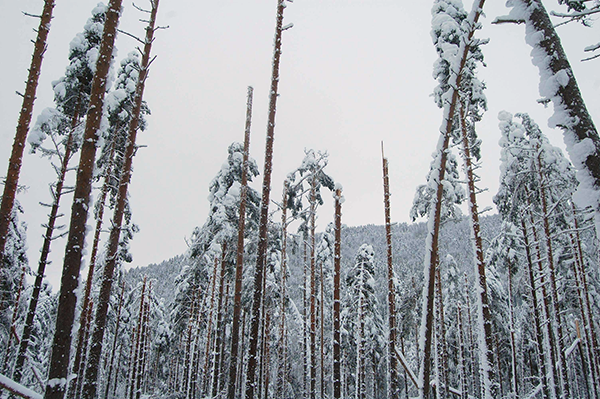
{"x":353,"y":73}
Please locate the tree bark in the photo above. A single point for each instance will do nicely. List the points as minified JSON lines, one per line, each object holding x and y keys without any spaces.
{"x":337,"y":358}
{"x":115,"y":340}
{"x":547,"y":370}
{"x":281,"y":349}
{"x":16,"y":158}
{"x":218,"y":335}
{"x":90,"y":387}
{"x":61,"y":347}
{"x":239,"y":264}
{"x":264,"y":210}
{"x":490,"y":380}
{"x":393,"y":362}
{"x":313,"y":292}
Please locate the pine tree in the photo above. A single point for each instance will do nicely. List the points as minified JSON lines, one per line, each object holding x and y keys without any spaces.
{"x":91,"y":374}
{"x":61,"y":347}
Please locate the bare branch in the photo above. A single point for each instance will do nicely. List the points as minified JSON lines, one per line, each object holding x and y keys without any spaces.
{"x":130,"y":35}
{"x":140,"y":9}
{"x":31,"y":15}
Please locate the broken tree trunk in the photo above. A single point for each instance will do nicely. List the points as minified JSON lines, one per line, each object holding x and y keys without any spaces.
{"x":239,"y":264}
{"x":434,"y":220}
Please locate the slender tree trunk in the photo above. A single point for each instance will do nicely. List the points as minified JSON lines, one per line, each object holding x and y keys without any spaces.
{"x":562,"y":364}
{"x":115,"y":340}
{"x":16,"y":158}
{"x":431,"y":255}
{"x":322,"y":319}
{"x":546,"y":380}
{"x":281,"y":349}
{"x":313,"y":291}
{"x":135,"y":350}
{"x":89,"y":390}
{"x":488,"y":367}
{"x":207,"y":354}
{"x":61,"y":347}
{"x":240,"y":383}
{"x":337,"y":358}
{"x":37,"y":286}
{"x":188,"y":345}
{"x":551,"y":347}
{"x":13,"y":323}
{"x":261,"y":259}
{"x":393,"y":362}
{"x":239,"y":264}
{"x":513,"y":343}
{"x":443,"y":384}
{"x":219,"y":326}
{"x":215,"y":377}
{"x":464,"y":391}
{"x":82,"y":343}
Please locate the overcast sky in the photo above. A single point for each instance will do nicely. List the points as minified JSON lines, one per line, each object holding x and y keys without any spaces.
{"x":353,"y":73}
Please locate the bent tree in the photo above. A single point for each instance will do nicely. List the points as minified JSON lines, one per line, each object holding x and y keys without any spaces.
{"x":451,"y":97}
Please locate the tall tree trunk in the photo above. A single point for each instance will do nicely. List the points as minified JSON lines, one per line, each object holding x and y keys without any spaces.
{"x":431,"y":255}
{"x":281,"y":349}
{"x":562,"y":363}
{"x":261,"y":259}
{"x":219,"y":326}
{"x":313,"y":291}
{"x":464,"y":391}
{"x":61,"y":346}
{"x":443,"y":384}
{"x":209,"y":328}
{"x":136,"y":345}
{"x":322,"y":320}
{"x":393,"y":362}
{"x":577,"y":123}
{"x":16,"y":158}
{"x":83,"y":331}
{"x":91,"y":376}
{"x":488,"y":367}
{"x":239,"y":264}
{"x":513,"y":343}
{"x":546,"y":378}
{"x":39,"y":277}
{"x":337,"y":356}
{"x":115,"y":340}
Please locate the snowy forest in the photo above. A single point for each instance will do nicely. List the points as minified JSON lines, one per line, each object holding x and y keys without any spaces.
{"x":466,"y":301}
